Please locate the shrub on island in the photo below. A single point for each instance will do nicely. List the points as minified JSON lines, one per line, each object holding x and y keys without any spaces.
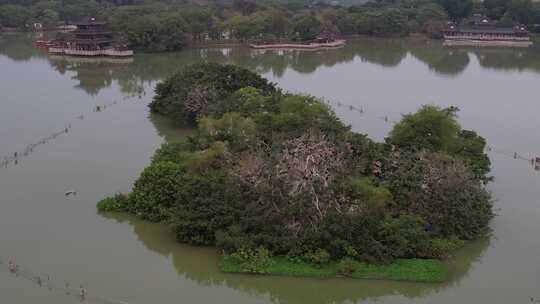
{"x":196,"y":90}
{"x":115,"y":203}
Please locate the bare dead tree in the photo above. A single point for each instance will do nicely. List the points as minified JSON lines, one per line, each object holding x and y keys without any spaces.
{"x":196,"y":102}
{"x":309,"y":164}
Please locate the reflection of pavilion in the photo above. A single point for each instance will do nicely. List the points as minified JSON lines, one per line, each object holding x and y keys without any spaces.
{"x":93,"y":74}
{"x":199,"y":264}
{"x":131,"y":74}
{"x":73,"y":59}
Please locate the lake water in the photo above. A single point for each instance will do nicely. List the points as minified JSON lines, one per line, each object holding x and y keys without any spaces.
{"x":83,"y":125}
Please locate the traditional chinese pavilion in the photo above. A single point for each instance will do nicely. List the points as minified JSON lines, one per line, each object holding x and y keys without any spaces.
{"x":91,"y":38}
{"x":480,"y":31}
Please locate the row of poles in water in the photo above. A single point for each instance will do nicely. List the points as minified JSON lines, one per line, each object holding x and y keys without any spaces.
{"x":16,"y":157}
{"x":80,"y":293}
{"x":45,"y":281}
{"x":534,"y":160}
{"x":59,"y":287}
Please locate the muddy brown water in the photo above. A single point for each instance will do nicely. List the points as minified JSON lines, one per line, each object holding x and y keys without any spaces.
{"x":83,"y":125}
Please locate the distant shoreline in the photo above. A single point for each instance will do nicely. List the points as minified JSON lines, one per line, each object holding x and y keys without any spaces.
{"x":247,"y":43}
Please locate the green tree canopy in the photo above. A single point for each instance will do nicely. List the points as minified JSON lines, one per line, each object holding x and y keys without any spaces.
{"x":521,"y":10}
{"x":495,"y":9}
{"x":437,"y":130}
{"x":193,"y":91}
{"x":457,"y":9}
{"x":14,"y":15}
{"x":164,"y":25}
{"x":307,"y":27}
{"x":431,"y":128}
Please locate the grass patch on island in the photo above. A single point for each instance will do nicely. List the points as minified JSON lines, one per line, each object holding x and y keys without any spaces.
{"x":412,"y":270}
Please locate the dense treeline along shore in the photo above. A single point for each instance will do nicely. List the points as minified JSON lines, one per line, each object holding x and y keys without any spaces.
{"x":281,"y":186}
{"x":165,"y":25}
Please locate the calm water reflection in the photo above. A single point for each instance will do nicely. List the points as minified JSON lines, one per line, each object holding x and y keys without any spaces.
{"x":199,"y":265}
{"x":131,"y":74}
{"x":111,"y":137}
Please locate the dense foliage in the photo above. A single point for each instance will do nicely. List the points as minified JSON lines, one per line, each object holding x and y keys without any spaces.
{"x":23,"y":13}
{"x":158,"y":25}
{"x":268,"y":173}
{"x":437,"y":130}
{"x":164,"y":25}
{"x":194,"y":91}
{"x":109,"y":204}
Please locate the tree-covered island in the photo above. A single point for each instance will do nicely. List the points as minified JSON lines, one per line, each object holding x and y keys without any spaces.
{"x":281,"y":186}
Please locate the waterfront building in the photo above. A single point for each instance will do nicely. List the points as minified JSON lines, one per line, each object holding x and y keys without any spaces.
{"x":91,"y":38}
{"x":480,"y":31}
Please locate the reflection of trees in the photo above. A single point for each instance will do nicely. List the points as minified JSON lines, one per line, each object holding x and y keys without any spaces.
{"x":132,"y":77}
{"x":461,"y":262}
{"x":307,"y":62}
{"x":170,"y":130}
{"x":18,"y":47}
{"x":96,"y":74}
{"x":199,"y":265}
{"x":453,"y":60}
{"x":131,"y":74}
{"x":443,"y":60}
{"x":505,"y":59}
{"x":385,"y":52}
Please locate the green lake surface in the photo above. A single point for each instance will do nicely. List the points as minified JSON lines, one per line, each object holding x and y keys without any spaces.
{"x":83,"y":125}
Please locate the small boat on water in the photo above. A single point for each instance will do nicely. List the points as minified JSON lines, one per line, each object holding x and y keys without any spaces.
{"x":90,"y":39}
{"x":319,"y":43}
{"x":480,"y":31}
